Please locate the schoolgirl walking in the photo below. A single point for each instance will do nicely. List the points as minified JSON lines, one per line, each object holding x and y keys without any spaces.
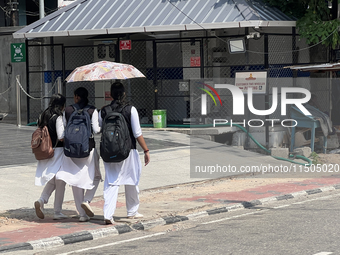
{"x":128,"y":171}
{"x":79,"y":171}
{"x":48,"y":168}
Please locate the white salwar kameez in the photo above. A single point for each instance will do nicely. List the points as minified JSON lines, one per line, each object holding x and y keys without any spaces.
{"x":125,"y":173}
{"x":48,"y":168}
{"x":82,"y":173}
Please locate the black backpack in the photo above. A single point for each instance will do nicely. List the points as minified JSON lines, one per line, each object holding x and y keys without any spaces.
{"x":115,"y":143}
{"x":78,"y":133}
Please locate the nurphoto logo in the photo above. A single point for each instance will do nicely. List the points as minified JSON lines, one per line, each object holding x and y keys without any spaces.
{"x":238,"y":103}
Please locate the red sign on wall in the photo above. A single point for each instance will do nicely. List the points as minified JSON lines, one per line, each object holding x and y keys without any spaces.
{"x":195,"y":61}
{"x":125,"y":45}
{"x":108,"y":96}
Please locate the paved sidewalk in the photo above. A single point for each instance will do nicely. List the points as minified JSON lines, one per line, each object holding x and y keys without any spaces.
{"x":160,"y":206}
{"x":168,"y":191}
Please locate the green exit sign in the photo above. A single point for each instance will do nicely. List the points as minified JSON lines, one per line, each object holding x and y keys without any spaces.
{"x":18,"y":52}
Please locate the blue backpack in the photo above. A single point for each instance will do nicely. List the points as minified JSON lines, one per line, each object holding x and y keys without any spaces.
{"x":78,"y":133}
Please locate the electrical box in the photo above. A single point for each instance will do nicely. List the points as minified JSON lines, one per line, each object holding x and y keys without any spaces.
{"x":104,"y":50}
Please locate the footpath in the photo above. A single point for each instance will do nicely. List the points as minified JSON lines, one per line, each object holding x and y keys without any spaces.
{"x":169,"y":193}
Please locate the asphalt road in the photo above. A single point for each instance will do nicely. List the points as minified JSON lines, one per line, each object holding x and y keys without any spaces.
{"x":306,"y":226}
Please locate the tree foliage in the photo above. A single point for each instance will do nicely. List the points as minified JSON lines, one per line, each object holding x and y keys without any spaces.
{"x":314,"y":20}
{"x":292,"y":8}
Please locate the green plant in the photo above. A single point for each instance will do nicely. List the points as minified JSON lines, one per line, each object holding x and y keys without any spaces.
{"x":315,"y":158}
{"x":315,"y":29}
{"x":314,"y":20}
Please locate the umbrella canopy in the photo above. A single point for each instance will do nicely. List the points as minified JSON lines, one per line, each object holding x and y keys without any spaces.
{"x":104,"y":70}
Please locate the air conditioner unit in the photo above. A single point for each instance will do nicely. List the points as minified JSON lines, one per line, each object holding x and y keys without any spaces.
{"x":104,"y":50}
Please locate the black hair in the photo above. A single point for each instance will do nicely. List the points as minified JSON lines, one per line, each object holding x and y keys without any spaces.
{"x":56,"y":106}
{"x":83,"y":94}
{"x":118,"y":93}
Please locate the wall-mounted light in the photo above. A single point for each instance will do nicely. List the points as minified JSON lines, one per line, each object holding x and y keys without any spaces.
{"x":236,"y":45}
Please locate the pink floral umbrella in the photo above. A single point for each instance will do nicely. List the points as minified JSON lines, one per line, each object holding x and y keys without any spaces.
{"x":104,"y":70}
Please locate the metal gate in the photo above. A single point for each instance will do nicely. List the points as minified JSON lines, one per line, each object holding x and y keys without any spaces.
{"x":44,"y":66}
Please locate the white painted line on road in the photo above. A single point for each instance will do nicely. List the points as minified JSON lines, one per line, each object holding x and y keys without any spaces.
{"x":233,"y":217}
{"x":112,"y":244}
{"x":324,"y":253}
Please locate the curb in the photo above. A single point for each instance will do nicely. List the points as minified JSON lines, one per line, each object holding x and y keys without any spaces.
{"x":124,"y":228}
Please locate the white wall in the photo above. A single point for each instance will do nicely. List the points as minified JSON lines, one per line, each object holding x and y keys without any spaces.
{"x":8,"y":100}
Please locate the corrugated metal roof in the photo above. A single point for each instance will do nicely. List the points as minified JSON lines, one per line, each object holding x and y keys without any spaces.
{"x":95,"y":17}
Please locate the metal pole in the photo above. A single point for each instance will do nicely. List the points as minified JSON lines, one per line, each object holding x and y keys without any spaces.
{"x":64,"y":71}
{"x":155,"y":82}
{"x":13,"y":5}
{"x":202,"y":58}
{"x":41,"y":9}
{"x":330,"y":94}
{"x":27,"y":81}
{"x":59,"y":86}
{"x":247,"y":113}
{"x":18,"y":101}
{"x":266,"y":100}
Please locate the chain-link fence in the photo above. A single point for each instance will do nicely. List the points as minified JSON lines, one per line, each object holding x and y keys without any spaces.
{"x":171,"y":68}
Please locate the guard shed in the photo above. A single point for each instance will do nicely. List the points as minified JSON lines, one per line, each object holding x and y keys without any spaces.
{"x":172,"y":41}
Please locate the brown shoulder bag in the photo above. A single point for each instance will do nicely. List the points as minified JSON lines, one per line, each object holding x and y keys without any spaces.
{"x":41,"y":144}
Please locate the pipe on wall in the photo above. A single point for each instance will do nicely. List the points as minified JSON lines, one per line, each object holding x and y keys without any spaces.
{"x":41,"y":9}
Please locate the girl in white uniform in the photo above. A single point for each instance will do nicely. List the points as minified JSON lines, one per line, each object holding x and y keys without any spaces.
{"x":82,"y":173}
{"x":47,"y":168}
{"x":128,"y":171}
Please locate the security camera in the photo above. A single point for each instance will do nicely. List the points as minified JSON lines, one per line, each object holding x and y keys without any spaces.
{"x":253,"y":35}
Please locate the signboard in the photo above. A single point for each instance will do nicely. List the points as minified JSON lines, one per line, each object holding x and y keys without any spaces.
{"x":125,"y":45}
{"x":18,"y":52}
{"x":255,"y":80}
{"x":108,"y":96}
{"x":195,"y":61}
